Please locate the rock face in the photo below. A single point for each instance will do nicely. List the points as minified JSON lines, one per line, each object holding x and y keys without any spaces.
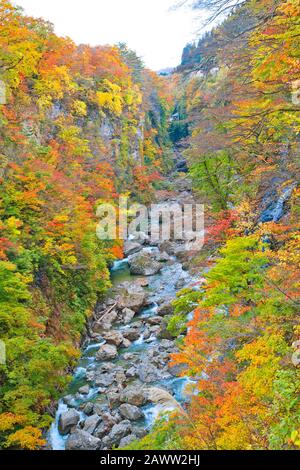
{"x":143,"y":264}
{"x":131,"y":296}
{"x":67,"y":421}
{"x":107,"y":352}
{"x":82,"y":440}
{"x":131,"y":412}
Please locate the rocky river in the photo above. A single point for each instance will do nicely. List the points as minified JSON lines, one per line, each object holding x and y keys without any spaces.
{"x":124,"y":380}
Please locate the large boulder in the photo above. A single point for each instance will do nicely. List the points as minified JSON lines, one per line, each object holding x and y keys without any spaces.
{"x":82,"y":440}
{"x":131,"y":412}
{"x":125,"y":441}
{"x":127,"y":315}
{"x":143,"y":264}
{"x":126,"y":343}
{"x":113,"y":337}
{"x":91,"y":423}
{"x":104,"y":380}
{"x":131,"y":296}
{"x":162,"y":257}
{"x":84,"y":390}
{"x":133,"y":396}
{"x":119,"y":431}
{"x":67,"y":421}
{"x":107,"y":352}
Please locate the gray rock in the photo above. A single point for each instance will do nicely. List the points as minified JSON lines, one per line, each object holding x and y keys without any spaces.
{"x":166,"y":344}
{"x":99,"y":409}
{"x":143,"y":264}
{"x":139,"y":432}
{"x":82,"y":440}
{"x":132,"y":334}
{"x":168,"y":246}
{"x":165,"y":309}
{"x":119,"y":431}
{"x":142,"y":281}
{"x":114,"y":400}
{"x":125,"y":441}
{"x":105,"y":322}
{"x":146,"y":333}
{"x":107,"y":352}
{"x":133,"y":396}
{"x":163,"y":257}
{"x":148,"y":373}
{"x":88,"y":408}
{"x":131,"y":372}
{"x":128,"y":315}
{"x":67,"y":421}
{"x":131,"y":412}
{"x":131,"y":247}
{"x":126,"y":343}
{"x":107,"y":443}
{"x":104,"y":380}
{"x":113,"y":337}
{"x":131,"y":296}
{"x":91,"y":423}
{"x":154,"y":320}
{"x":129,"y":356}
{"x":68,"y":400}
{"x":85,"y":390}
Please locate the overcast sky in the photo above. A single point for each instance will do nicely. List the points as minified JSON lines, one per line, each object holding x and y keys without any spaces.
{"x":147,"y":26}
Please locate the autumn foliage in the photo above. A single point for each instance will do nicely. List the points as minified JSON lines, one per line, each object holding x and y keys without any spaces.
{"x":72,"y":126}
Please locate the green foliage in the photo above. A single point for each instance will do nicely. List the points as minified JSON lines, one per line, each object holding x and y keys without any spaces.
{"x":163,"y":436}
{"x":186,"y":301}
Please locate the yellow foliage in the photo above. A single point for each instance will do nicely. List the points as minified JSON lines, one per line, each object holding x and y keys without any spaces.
{"x":110,"y":99}
{"x":29,"y":438}
{"x":79,"y":108}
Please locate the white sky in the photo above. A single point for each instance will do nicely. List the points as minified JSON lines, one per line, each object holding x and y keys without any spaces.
{"x":157,"y":34}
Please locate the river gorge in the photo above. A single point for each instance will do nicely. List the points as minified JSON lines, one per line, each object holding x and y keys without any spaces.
{"x":124,"y":380}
